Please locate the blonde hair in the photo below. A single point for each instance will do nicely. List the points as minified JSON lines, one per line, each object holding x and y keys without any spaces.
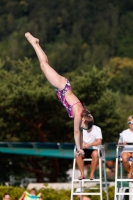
{"x":130,"y":118}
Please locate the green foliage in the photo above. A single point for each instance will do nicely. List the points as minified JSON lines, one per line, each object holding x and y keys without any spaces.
{"x":76,"y":36}
{"x":30,"y":111}
{"x":125,"y":46}
{"x":29,"y":114}
{"x":121,"y":73}
{"x":49,"y":193}
{"x":15,"y":192}
{"x":88,"y":32}
{"x":102,"y":102}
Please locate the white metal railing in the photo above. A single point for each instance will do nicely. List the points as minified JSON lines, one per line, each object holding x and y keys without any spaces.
{"x":83,"y":183}
{"x":120,"y":192}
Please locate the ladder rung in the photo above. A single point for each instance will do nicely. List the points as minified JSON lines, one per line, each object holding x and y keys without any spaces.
{"x":86,"y":180}
{"x":126,"y":179}
{"x":87,"y":193}
{"x":97,"y":185}
{"x":125,"y":193}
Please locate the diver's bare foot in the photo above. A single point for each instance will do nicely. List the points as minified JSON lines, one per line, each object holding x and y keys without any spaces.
{"x":31,"y":39}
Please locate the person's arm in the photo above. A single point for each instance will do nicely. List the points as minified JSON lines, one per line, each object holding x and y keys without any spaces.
{"x":78,"y":134}
{"x":40,"y":196}
{"x":120,"y":141}
{"x":23,"y":195}
{"x":95,"y":143}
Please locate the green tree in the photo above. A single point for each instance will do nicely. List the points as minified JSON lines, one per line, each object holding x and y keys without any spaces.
{"x":29,"y":114}
{"x":73,"y":33}
{"x":102,"y":102}
{"x":30,"y":110}
{"x":121,"y":72}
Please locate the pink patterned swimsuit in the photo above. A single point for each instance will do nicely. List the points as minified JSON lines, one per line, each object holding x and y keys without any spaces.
{"x":61,"y":97}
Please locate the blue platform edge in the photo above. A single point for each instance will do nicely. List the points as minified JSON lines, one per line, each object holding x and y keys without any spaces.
{"x":50,"y":149}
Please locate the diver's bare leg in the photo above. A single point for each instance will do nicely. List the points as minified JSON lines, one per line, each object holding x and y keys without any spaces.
{"x":52,"y":76}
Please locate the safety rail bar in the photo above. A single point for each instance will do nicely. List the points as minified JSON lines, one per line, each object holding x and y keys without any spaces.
{"x":119,"y":193}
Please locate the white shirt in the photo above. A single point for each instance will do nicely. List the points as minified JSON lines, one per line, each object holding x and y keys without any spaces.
{"x":92,"y":136}
{"x":126,"y":136}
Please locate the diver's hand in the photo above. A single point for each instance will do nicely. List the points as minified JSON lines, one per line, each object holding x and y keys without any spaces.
{"x":80,"y":152}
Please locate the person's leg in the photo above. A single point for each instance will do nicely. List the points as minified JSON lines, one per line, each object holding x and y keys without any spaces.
{"x":125,"y":161}
{"x":94,"y":163}
{"x":52,"y":76}
{"x":80,"y":164}
{"x":131,"y":170}
{"x":131,"y":167}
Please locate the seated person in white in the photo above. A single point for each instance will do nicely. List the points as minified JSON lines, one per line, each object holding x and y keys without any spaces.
{"x":127,"y":137}
{"x":92,"y":137}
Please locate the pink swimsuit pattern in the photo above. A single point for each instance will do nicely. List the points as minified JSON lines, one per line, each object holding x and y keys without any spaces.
{"x":61,"y":97}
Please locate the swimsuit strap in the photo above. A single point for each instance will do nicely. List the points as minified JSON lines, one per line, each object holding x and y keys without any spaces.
{"x":75,"y":103}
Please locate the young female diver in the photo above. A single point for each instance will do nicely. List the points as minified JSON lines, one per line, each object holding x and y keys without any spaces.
{"x":63,"y":90}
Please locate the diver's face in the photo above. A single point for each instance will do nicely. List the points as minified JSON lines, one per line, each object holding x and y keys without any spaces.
{"x":84,"y":125}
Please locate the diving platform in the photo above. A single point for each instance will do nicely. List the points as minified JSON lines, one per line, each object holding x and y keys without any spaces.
{"x":50,"y":149}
